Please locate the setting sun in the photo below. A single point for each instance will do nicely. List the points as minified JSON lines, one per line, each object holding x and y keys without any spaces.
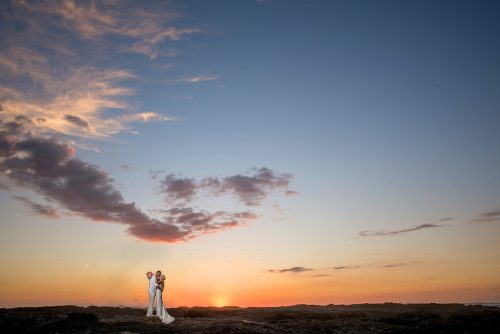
{"x":220,"y":301}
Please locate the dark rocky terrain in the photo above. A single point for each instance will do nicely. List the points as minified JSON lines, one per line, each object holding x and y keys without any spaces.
{"x":362,"y":318}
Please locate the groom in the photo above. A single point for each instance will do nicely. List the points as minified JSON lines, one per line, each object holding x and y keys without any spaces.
{"x":152,"y":292}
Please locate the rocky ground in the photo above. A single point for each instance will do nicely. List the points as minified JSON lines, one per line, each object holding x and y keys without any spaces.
{"x":363,"y":318}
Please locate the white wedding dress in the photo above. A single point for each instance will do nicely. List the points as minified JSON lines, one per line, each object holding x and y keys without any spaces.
{"x":161,"y":311}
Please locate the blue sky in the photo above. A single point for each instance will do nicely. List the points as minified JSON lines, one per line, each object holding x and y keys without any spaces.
{"x":371,"y":98}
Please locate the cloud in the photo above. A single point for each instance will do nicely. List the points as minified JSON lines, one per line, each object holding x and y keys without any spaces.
{"x":74,"y":105}
{"x":346,"y":267}
{"x":204,"y":222}
{"x":178,"y":189}
{"x":489,"y":216}
{"x":76,"y":121}
{"x":44,"y":210}
{"x":353,"y":267}
{"x":150,"y":45}
{"x":393,"y":265}
{"x":147,"y":117}
{"x":395,"y":232}
{"x":249,"y":189}
{"x":57,"y":90}
{"x":194,"y":79}
{"x":49,"y":167}
{"x":148,"y":25}
{"x":293,"y":270}
{"x":446,"y":219}
{"x":148,"y":22}
{"x":50,"y":55}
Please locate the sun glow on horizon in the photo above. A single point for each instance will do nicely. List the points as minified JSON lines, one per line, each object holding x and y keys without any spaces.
{"x":220,"y":301}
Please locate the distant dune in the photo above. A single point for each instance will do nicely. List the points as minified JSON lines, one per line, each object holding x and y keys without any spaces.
{"x":361,"y":318}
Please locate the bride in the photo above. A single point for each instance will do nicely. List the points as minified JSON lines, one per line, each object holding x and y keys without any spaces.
{"x":161,"y":311}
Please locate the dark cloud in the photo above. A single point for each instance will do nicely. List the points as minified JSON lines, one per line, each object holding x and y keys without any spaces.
{"x":446,"y":219}
{"x":50,"y":168}
{"x":12,"y":127}
{"x":394,"y":232}
{"x":23,"y":119}
{"x":205,"y":222}
{"x":346,"y":267}
{"x":75,"y":120}
{"x":489,"y":216}
{"x":185,"y":223}
{"x":44,"y":210}
{"x":290,"y":270}
{"x":178,"y":189}
{"x":251,"y":189}
{"x":393,"y":265}
{"x":321,"y":275}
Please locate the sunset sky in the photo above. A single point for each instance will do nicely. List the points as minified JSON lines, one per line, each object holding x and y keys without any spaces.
{"x":259,"y":153}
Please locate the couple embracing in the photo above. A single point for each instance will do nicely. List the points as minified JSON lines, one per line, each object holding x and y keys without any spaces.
{"x":156,"y":287}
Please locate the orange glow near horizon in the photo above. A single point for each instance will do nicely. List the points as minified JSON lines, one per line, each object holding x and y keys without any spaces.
{"x":202,"y":273}
{"x":265,"y":289}
{"x":220,"y":301}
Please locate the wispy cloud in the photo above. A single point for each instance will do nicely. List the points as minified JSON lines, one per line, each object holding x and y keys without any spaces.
{"x":346,"y":267}
{"x":150,"y":45}
{"x":394,"y":265}
{"x":293,"y":270}
{"x":149,"y":23}
{"x":147,"y":117}
{"x":194,"y":79}
{"x":50,"y":70}
{"x":43,"y":210}
{"x":374,"y":265}
{"x":489,"y":216}
{"x":379,"y":233}
{"x":75,"y":107}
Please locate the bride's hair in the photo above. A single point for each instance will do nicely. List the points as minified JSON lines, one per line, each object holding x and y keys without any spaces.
{"x":163,"y":277}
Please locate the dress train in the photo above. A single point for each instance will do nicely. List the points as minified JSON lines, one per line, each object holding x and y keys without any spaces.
{"x":164,"y":316}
